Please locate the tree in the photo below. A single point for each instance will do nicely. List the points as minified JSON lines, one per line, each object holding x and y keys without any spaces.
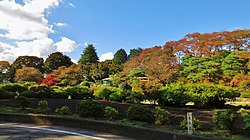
{"x":89,"y":56}
{"x":29,"y":61}
{"x":120,"y":57}
{"x":156,"y":64}
{"x":104,"y":69}
{"x":4,"y":67}
{"x":233,"y":65}
{"x":74,"y":74}
{"x":134,"y":53}
{"x":50,"y":80}
{"x":209,"y":44}
{"x":28,"y":74}
{"x":56,"y":60}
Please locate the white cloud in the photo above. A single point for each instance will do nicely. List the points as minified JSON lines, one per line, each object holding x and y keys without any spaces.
{"x":71,"y":5}
{"x":74,"y":61}
{"x":65,"y":45}
{"x":61,"y":25}
{"x":106,"y":56}
{"x":26,"y":29}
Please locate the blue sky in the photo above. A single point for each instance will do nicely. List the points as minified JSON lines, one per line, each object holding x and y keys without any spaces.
{"x":114,"y":24}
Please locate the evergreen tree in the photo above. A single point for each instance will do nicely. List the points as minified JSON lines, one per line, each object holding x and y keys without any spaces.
{"x":120,"y":57}
{"x":134,"y":53}
{"x":89,"y":56}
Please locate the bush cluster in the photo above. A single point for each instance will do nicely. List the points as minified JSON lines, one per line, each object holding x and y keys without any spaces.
{"x":223,"y":120}
{"x":110,"y":112}
{"x":64,"y":110}
{"x":42,"y":107}
{"x":90,"y":109}
{"x":109,"y":93}
{"x":246,"y":119}
{"x":161,"y":116}
{"x":196,"y":124}
{"x":203,"y":95}
{"x":139,"y":112}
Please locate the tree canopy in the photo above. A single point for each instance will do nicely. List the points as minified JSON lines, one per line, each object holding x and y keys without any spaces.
{"x":56,"y":60}
{"x":28,"y":74}
{"x":89,"y":56}
{"x":29,"y":61}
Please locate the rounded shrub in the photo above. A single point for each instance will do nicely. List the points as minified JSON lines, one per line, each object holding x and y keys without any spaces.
{"x":174,"y":95}
{"x":42,"y":107}
{"x":223,"y":120}
{"x":41,"y":91}
{"x":6,"y":94}
{"x":79,"y":92}
{"x":206,"y":95}
{"x":161,"y":116}
{"x":110,"y":112}
{"x":196,"y":124}
{"x":28,"y":94}
{"x":109,"y":93}
{"x":64,"y":110}
{"x":139,"y":112}
{"x":90,"y":109}
{"x":15,"y":87}
{"x":23,"y":102}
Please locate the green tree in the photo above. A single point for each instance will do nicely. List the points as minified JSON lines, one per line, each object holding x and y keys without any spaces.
{"x":56,"y":60}
{"x":89,"y":56}
{"x":120,"y":57}
{"x":29,"y":61}
{"x":134,"y":53}
{"x":233,"y":65}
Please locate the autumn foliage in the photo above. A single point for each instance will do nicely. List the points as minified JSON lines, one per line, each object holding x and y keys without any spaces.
{"x":50,"y":80}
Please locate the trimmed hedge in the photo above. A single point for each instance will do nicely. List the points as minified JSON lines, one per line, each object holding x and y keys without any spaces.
{"x":6,"y":94}
{"x":90,"y":109}
{"x":110,"y":93}
{"x":140,"y":112}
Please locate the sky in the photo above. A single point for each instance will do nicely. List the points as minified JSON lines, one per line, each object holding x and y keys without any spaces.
{"x":41,"y":27}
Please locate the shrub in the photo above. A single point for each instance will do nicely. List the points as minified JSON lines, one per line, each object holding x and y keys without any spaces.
{"x":223,"y":120}
{"x":110,"y":112}
{"x":6,"y":94}
{"x":85,"y":83}
{"x":79,"y":92}
{"x":174,"y":95}
{"x":28,"y":94}
{"x":205,"y":95}
{"x":161,"y":116}
{"x":60,"y":95}
{"x":15,"y":88}
{"x":41,"y":91}
{"x":42,"y":107}
{"x":90,"y":109}
{"x":196,"y":124}
{"x":23,"y":102}
{"x":246,"y":119}
{"x":109,"y":93}
{"x":135,"y":97}
{"x":139,"y":112}
{"x":64,"y":110}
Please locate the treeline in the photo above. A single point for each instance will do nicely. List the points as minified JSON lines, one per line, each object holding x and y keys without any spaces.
{"x":218,"y":62}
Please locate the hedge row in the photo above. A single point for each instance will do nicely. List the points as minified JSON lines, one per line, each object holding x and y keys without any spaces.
{"x":202,"y":95}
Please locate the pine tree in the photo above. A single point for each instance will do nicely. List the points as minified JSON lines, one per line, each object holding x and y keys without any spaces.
{"x":120,"y":57}
{"x":89,"y":56}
